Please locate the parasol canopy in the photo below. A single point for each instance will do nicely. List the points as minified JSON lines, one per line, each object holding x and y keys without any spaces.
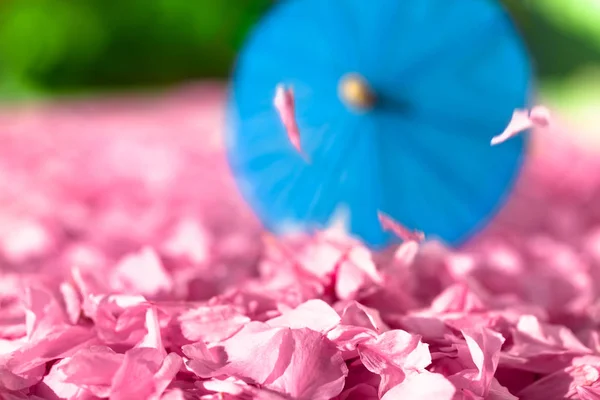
{"x":396,"y":102}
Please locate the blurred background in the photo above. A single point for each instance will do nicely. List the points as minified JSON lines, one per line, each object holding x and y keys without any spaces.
{"x":52,"y":48}
{"x":57,"y":47}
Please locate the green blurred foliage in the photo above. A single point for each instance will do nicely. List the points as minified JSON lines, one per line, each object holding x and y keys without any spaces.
{"x":57,"y":46}
{"x":560,"y":35}
{"x":66,"y":45}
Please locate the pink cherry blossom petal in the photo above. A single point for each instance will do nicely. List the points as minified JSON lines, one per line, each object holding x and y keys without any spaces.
{"x":153,"y":338}
{"x":54,"y":387}
{"x":499,"y":392}
{"x":72,"y":302}
{"x":394,"y":355}
{"x":422,"y":386}
{"x":284,"y":104}
{"x":355,"y":272}
{"x":299,"y":362}
{"x":316,"y":369}
{"x":144,"y":373}
{"x":356,"y":314}
{"x":520,"y":122}
{"x":211,"y":323}
{"x":388,"y":224}
{"x":56,"y":344}
{"x":587,"y":393}
{"x":169,"y":368}
{"x":90,"y":370}
{"x":541,"y":347}
{"x":484,"y":347}
{"x":457,"y":298}
{"x":141,"y":273}
{"x":523,"y":120}
{"x":202,"y":361}
{"x":240,"y":389}
{"x":313,"y":314}
{"x":540,"y":116}
{"x":563,"y":384}
{"x":43,"y":312}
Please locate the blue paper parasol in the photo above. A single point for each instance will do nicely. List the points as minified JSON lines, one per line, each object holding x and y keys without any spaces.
{"x":396,"y":102}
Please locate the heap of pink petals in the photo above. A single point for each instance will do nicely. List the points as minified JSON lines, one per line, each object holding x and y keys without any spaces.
{"x":129,"y":269}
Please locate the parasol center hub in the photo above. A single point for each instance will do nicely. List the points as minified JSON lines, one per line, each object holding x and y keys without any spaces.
{"x":355,"y":92}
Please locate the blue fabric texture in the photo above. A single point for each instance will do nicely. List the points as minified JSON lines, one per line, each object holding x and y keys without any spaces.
{"x":447,"y":76}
